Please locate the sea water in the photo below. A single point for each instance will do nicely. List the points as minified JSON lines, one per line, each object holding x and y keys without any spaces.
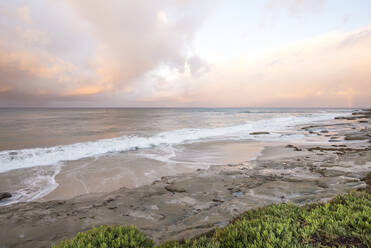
{"x":95,"y":150}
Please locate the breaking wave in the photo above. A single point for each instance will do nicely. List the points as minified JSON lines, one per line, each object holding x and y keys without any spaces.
{"x":25,"y":158}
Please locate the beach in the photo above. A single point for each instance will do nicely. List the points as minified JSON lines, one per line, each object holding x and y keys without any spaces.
{"x":194,"y":201}
{"x":179,"y":124}
{"x":57,"y":154}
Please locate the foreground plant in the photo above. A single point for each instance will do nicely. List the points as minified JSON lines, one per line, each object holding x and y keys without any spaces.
{"x":343,"y":222}
{"x":108,"y":237}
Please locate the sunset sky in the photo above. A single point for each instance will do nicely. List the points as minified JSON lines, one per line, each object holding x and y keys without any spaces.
{"x":185,"y":53}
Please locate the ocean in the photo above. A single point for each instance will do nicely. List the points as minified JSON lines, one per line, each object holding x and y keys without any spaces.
{"x":60,"y":153}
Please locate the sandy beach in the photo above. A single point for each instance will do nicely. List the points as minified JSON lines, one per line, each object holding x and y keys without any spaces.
{"x":188,"y":204}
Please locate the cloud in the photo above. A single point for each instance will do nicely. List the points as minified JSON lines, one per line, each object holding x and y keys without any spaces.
{"x":296,"y":7}
{"x":59,"y":48}
{"x":299,"y":10}
{"x":24,"y":14}
{"x":126,"y":53}
{"x":135,"y":37}
{"x":198,"y":66}
{"x":329,"y":70}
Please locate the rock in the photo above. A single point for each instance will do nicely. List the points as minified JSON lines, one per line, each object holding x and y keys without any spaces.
{"x":367,"y":180}
{"x":5,"y":195}
{"x":356,"y":137}
{"x":294,"y":147}
{"x":258,"y":133}
{"x":174,"y":189}
{"x":237,"y":194}
{"x":351,"y":118}
{"x":330,"y":172}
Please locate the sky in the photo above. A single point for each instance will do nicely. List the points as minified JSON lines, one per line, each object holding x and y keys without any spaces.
{"x":185,"y":53}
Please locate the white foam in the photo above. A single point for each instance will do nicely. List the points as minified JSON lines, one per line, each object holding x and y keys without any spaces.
{"x":35,"y":187}
{"x":15,"y":159}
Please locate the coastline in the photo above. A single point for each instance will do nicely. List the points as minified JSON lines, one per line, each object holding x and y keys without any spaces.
{"x":186,"y":205}
{"x":92,"y":175}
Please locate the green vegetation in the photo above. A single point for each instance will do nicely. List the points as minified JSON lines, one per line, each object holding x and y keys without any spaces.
{"x":108,"y":237}
{"x":343,"y":222}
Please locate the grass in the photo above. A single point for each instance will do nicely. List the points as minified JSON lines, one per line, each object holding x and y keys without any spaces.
{"x":343,"y":222}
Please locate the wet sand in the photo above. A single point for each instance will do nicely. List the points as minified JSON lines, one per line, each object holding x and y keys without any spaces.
{"x":110,"y":173}
{"x":114,"y":171}
{"x":181,"y":206}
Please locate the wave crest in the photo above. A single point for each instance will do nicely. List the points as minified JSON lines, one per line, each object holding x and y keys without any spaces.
{"x":15,"y":159}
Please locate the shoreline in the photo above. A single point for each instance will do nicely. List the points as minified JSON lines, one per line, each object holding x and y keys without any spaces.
{"x":182,"y":206}
{"x":146,"y":170}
